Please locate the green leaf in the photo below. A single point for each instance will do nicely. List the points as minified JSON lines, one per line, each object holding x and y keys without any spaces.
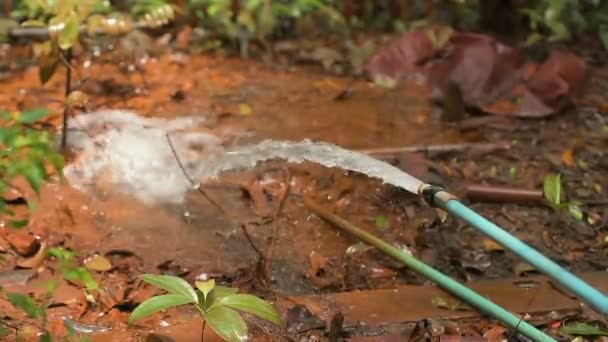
{"x":45,"y":337}
{"x":3,"y":330}
{"x":18,"y":224}
{"x":25,"y":303}
{"x":205,"y":286}
{"x":32,"y":116}
{"x":552,"y":188}
{"x":215,"y":294}
{"x":227,"y":323}
{"x":223,"y":291}
{"x":158,"y":303}
{"x":253,"y":305}
{"x":66,"y":28}
{"x":382,"y":222}
{"x":583,"y":329}
{"x":603,"y":33}
{"x":171,"y":284}
{"x":47,"y":66}
{"x":34,"y":176}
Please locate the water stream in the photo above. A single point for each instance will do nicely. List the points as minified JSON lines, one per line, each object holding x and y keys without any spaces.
{"x":132,"y":155}
{"x":326,"y":154}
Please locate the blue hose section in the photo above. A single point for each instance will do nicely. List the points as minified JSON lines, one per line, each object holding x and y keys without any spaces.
{"x":576,"y":285}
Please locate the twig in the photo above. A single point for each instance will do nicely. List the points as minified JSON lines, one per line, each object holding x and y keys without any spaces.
{"x":42,"y":33}
{"x":211,"y":200}
{"x":474,"y":147}
{"x":66,"y":108}
{"x":504,"y":194}
{"x":203,"y":330}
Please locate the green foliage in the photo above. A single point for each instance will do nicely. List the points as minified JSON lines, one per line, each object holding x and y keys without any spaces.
{"x":218,"y":305}
{"x":38,"y":309}
{"x":71,"y":271}
{"x":562,"y":20}
{"x":26,"y":152}
{"x":27,"y":304}
{"x":583,"y":329}
{"x":382,"y":222}
{"x":552,"y":189}
{"x":257,"y":18}
{"x":153,"y":13}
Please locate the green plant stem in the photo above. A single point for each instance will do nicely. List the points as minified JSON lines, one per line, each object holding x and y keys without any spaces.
{"x":203,"y":331}
{"x":66,"y":108}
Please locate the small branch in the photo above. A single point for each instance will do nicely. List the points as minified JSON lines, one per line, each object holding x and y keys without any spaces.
{"x":42,"y":33}
{"x":503,"y":194}
{"x":68,"y":89}
{"x":446,"y":148}
{"x":203,"y":330}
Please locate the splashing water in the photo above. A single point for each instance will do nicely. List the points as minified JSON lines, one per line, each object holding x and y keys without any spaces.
{"x":297,"y":152}
{"x":131,"y":154}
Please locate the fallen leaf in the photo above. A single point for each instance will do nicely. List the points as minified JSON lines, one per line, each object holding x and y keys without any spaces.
{"x":583,"y":329}
{"x":245,"y":109}
{"x":35,"y":260}
{"x":491,"y":245}
{"x":568,"y":158}
{"x":98,"y":263}
{"x":522,"y":268}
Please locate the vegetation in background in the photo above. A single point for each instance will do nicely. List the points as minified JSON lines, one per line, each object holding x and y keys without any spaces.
{"x":552,"y":188}
{"x":217,"y":305}
{"x":563,"y":20}
{"x":27,"y":152}
{"x":37,"y":309}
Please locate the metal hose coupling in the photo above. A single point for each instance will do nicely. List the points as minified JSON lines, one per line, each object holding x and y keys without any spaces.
{"x":435,"y":194}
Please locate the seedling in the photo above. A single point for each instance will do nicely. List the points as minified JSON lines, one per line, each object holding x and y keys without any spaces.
{"x":26,"y":151}
{"x":217,"y":305}
{"x":552,"y":188}
{"x":37,"y":310}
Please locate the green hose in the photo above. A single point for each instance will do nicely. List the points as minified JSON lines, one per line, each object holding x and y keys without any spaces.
{"x":450,"y":285}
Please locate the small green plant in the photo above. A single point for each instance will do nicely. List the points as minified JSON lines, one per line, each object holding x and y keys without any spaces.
{"x":26,"y":152}
{"x":70,"y":271}
{"x":562,"y":20}
{"x":254,"y":20}
{"x":552,"y":189}
{"x":217,"y":305}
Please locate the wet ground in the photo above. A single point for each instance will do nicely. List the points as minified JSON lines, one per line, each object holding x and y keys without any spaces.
{"x":262,"y":238}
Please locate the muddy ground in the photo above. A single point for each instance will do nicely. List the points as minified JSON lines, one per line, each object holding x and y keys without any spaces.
{"x":296,"y":253}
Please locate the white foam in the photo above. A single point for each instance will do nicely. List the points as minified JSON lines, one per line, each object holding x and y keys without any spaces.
{"x":132,"y":153}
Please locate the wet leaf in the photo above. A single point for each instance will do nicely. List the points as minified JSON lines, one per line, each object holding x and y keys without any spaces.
{"x":382,"y":222}
{"x":98,"y":263}
{"x":385,"y":81}
{"x":583,"y":329}
{"x":31,"y":116}
{"x":171,"y":284}
{"x":158,"y":303}
{"x":253,"y":305}
{"x":227,"y":323}
{"x":25,"y":303}
{"x":552,"y":188}
{"x":491,"y":245}
{"x":568,"y":158}
{"x":36,"y":260}
{"x":521,"y":267}
{"x":205,"y":286}
{"x":245,"y":109}
{"x":439,"y":302}
{"x":77,"y":98}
